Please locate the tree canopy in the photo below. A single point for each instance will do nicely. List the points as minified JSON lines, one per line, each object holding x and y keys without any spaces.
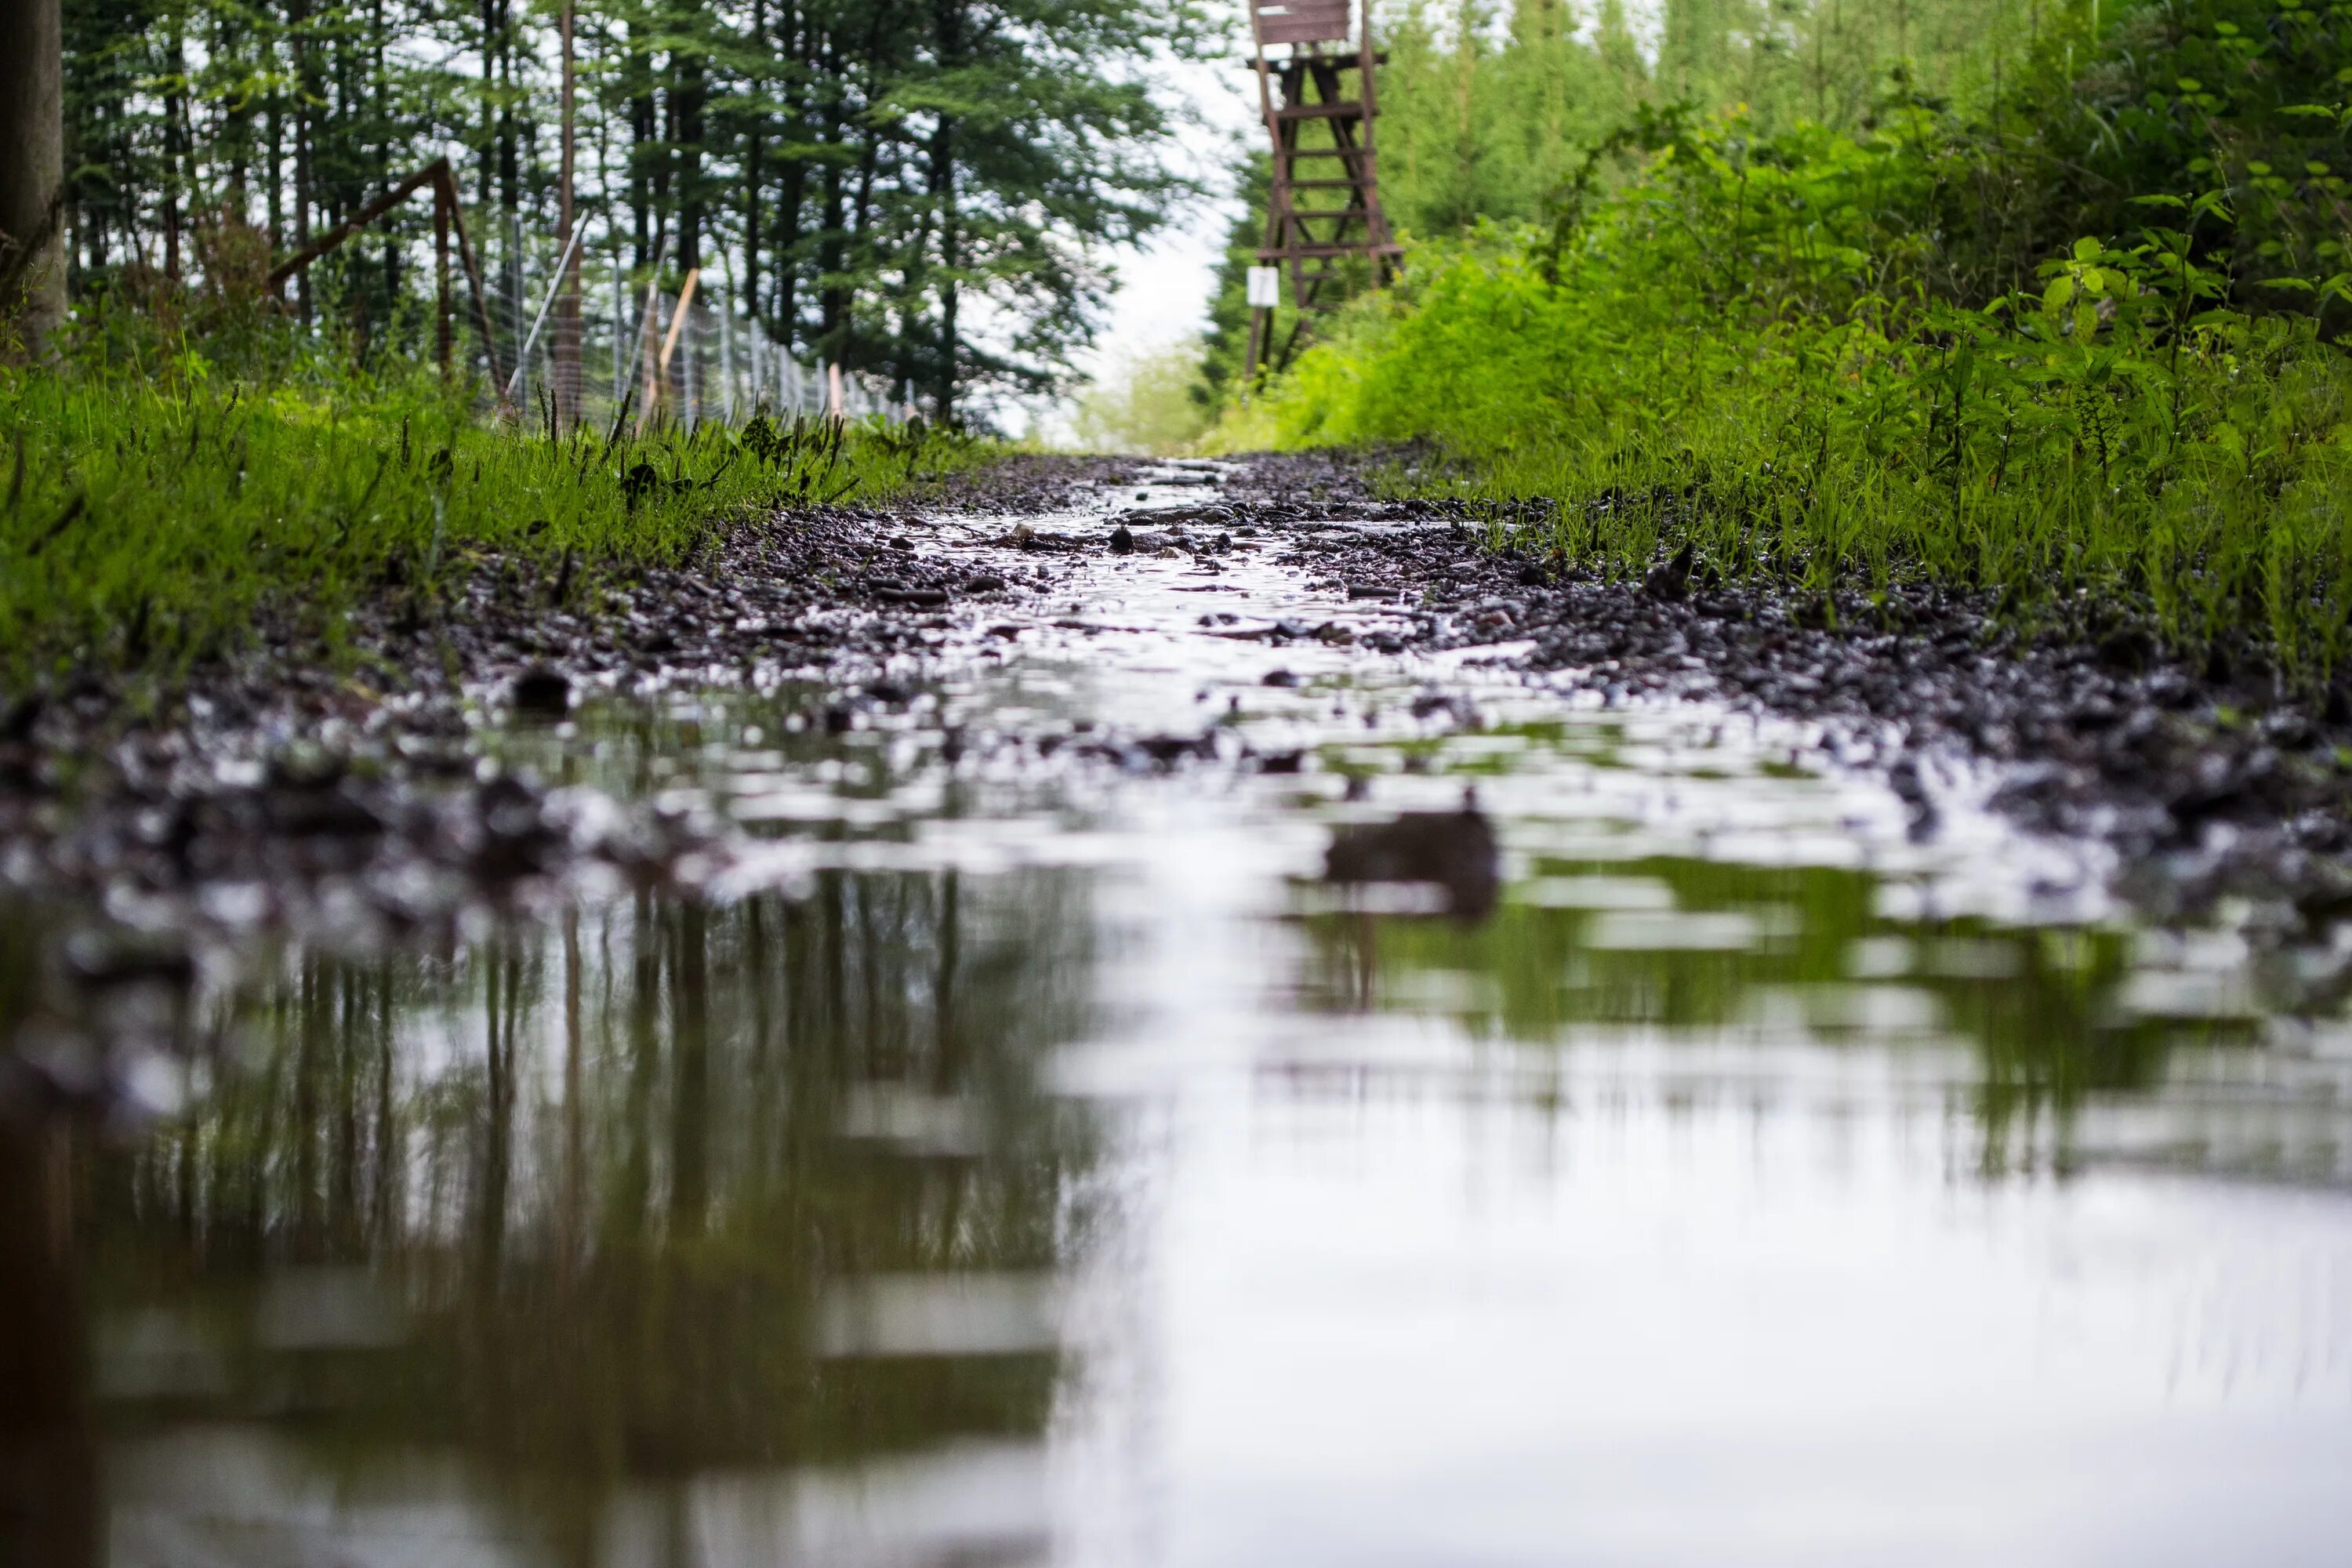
{"x":916,"y":189}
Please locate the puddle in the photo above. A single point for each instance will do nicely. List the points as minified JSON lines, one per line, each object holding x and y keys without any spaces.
{"x":1026,"y":1155}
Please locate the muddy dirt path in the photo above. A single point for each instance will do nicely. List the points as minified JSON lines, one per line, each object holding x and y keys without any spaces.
{"x":276,"y":787}
{"x":1177,"y":1015}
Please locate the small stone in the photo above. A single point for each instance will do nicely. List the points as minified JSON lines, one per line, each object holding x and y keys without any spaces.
{"x":543,"y":691}
{"x":1670,"y":580}
{"x":1121,"y":539}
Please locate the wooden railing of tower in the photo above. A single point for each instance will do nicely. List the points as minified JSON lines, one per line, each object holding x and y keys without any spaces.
{"x":1319,"y":247}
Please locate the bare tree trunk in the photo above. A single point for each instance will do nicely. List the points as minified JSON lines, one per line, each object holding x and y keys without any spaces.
{"x":175,"y":107}
{"x":567,"y":307}
{"x":298,"y":18}
{"x":32,"y":169}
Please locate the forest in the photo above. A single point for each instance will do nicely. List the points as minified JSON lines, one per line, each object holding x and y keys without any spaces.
{"x":1645,"y":855}
{"x":2039,"y":297}
{"x":669,"y":217}
{"x":857,"y":180}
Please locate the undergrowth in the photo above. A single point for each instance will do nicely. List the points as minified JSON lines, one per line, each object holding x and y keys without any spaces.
{"x":1799,"y":356}
{"x":154,"y":520}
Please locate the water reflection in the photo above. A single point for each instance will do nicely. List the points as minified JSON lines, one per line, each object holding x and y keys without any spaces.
{"x":2040,"y":1036}
{"x":1093,"y":1161}
{"x":501,"y":1244}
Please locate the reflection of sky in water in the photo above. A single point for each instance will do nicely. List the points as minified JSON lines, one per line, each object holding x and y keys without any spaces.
{"x":1054,"y":1171}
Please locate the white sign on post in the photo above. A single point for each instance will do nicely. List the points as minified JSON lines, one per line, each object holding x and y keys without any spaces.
{"x":1265,"y":287}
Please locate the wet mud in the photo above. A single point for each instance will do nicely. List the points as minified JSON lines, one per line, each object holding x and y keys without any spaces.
{"x":289,"y":786}
{"x":2206,"y":779}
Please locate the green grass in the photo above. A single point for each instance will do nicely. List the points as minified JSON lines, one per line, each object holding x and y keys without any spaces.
{"x":1152,"y":403}
{"x":2070,"y":455}
{"x":150,"y":523}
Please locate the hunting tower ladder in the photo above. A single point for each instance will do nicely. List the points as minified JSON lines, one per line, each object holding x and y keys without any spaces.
{"x":1322,"y":248}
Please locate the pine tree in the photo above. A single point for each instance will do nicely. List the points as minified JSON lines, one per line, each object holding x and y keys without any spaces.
{"x":864,"y":171}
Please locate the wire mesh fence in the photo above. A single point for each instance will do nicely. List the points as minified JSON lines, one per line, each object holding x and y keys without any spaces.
{"x":691,"y":356}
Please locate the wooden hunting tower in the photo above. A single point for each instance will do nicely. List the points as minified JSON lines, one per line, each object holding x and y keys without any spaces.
{"x":1324,"y":227}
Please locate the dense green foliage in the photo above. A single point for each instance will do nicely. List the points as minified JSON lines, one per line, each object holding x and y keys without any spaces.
{"x":867,"y":178}
{"x":152,"y":519}
{"x":914,"y":191}
{"x":1490,"y":113}
{"x":1486,"y":109}
{"x":2078,"y":347}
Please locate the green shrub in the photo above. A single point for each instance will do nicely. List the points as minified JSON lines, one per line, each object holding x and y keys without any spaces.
{"x":1785,"y":351}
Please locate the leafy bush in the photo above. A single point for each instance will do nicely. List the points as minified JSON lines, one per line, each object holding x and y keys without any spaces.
{"x":1787,"y":352}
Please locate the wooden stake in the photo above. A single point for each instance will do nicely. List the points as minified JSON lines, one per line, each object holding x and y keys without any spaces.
{"x":649,"y":327}
{"x":441,"y":325}
{"x":448,"y":186}
{"x":678,"y":319}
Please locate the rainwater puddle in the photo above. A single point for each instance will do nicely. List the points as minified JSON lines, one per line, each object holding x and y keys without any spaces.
{"x":1025,"y":1155}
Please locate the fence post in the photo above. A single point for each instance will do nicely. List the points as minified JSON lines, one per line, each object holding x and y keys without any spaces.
{"x":441,"y":282}
{"x":620,"y":327}
{"x":519,"y":383}
{"x":726,"y":365}
{"x":678,"y":322}
{"x":649,"y":331}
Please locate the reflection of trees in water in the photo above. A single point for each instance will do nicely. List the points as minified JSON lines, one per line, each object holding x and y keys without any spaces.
{"x":607,"y":1172}
{"x":2041,"y":1014}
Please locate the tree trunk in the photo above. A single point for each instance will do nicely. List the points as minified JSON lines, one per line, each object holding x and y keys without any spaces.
{"x":298,"y":16}
{"x":785,"y":305}
{"x":276,"y":132}
{"x":489,"y":131}
{"x":175,"y":153}
{"x":641,"y":135}
{"x":48,"y":1448}
{"x":688,"y":95}
{"x":755,"y":137}
{"x":567,"y":308}
{"x":510,"y":177}
{"x":947,"y":21}
{"x":32,"y":169}
{"x":832,"y":307}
